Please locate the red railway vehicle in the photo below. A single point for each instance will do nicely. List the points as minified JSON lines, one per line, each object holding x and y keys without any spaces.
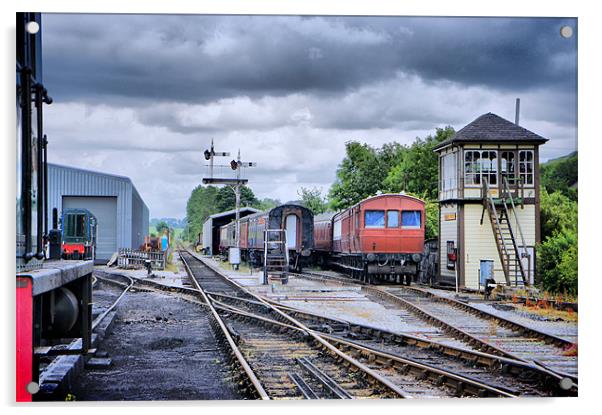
{"x":322,"y":237}
{"x":380,"y":238}
{"x":296,"y":220}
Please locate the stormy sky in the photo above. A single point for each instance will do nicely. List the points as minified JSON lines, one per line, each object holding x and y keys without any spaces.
{"x":143,"y":95}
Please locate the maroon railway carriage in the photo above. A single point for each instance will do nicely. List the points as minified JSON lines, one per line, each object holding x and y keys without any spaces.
{"x":298,"y":221}
{"x":322,"y":237}
{"x":380,"y":238}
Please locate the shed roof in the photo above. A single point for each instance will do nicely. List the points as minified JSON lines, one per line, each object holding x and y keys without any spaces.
{"x":322,"y":217}
{"x":492,"y":128}
{"x":233,"y":212}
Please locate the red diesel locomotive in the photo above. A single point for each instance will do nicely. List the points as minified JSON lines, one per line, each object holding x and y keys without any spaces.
{"x":379,"y":238}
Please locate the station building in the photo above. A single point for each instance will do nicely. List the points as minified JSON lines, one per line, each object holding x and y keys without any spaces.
{"x":489,"y":217}
{"x":121,"y":214}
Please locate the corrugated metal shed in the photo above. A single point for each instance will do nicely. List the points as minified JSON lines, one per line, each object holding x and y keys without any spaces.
{"x":74,"y":185}
{"x":212,"y":224}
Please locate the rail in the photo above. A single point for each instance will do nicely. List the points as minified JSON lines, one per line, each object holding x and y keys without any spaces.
{"x":101,"y":316}
{"x":389,"y":359}
{"x":240,"y":358}
{"x":489,"y":350}
{"x":319,"y":339}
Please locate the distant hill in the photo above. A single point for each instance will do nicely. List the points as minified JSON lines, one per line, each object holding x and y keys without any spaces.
{"x":561,"y":174}
{"x":172,"y":222}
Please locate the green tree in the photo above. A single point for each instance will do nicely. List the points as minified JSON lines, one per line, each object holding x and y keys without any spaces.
{"x":268,"y":203}
{"x":161,"y":227}
{"x":558,"y":214}
{"x":361,"y":173}
{"x":313,"y":200}
{"x":558,"y":253}
{"x":201,"y":204}
{"x":560,"y":174}
{"x":225,"y":198}
{"x":417,"y":172}
{"x":557,"y":263}
{"x":431,"y":209}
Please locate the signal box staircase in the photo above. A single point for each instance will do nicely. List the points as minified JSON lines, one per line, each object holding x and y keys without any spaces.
{"x":275,"y":255}
{"x":510,"y":252}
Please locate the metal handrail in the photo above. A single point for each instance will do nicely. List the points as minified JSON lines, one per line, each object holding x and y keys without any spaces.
{"x":520,"y":231}
{"x":488,"y":197}
{"x":282,"y":242}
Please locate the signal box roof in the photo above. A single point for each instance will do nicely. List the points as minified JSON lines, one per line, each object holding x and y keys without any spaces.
{"x":491,"y":128}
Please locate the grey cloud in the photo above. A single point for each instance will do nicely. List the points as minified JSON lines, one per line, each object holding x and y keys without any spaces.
{"x":142,"y":96}
{"x":205,"y":58}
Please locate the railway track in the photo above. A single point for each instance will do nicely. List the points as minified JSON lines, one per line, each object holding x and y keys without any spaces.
{"x":477,"y":328}
{"x":126,"y":286}
{"x":431,"y":369}
{"x":486,"y":331}
{"x":512,"y":376}
{"x":268,"y":351}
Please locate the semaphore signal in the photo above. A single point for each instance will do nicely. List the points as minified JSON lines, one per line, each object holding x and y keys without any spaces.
{"x":235,"y":184}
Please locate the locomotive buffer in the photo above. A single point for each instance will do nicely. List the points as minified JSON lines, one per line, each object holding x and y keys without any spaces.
{"x":235,"y":184}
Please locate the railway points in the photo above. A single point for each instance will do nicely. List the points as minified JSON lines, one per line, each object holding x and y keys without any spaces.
{"x":546,"y":383}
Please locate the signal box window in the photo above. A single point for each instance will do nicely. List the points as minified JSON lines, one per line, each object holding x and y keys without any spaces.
{"x":525,"y":164}
{"x":392,"y":219}
{"x":479,"y":165}
{"x":374,"y":219}
{"x":411,"y":219}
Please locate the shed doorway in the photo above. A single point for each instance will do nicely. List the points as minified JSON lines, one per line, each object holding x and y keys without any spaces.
{"x":105,"y":210}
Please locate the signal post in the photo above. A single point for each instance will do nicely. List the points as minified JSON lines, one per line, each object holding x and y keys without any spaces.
{"x":235,"y":184}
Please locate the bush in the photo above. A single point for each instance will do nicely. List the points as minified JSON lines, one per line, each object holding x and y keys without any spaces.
{"x":432,"y":219}
{"x":558,"y":263}
{"x":558,"y":253}
{"x":558,"y":214}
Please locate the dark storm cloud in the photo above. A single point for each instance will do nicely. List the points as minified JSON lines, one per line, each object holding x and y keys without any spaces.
{"x":143,"y":95}
{"x":130,"y":58}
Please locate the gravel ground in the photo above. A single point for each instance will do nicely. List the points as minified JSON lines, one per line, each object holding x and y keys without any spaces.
{"x":162,"y":348}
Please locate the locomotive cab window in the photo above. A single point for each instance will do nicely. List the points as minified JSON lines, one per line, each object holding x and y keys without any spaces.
{"x":411,"y":219}
{"x":76,"y":226}
{"x":374,"y":219}
{"x":392,"y":219}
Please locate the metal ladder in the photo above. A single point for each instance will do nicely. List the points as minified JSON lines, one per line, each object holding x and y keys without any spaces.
{"x":275,"y":254}
{"x":505,"y":236}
